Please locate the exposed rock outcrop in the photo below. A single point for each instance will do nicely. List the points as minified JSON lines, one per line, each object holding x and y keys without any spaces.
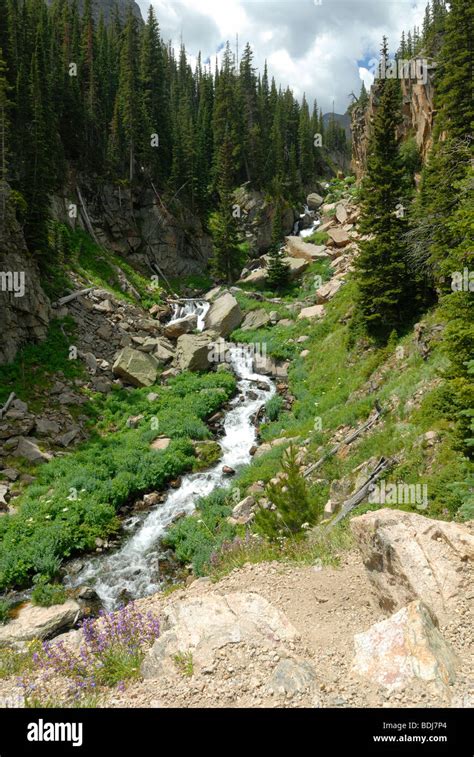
{"x":24,"y":307}
{"x":39,"y":622}
{"x":408,"y":557}
{"x":224,"y":315}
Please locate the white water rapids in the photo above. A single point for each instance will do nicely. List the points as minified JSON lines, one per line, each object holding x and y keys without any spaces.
{"x":133,"y":568}
{"x":191,"y":307}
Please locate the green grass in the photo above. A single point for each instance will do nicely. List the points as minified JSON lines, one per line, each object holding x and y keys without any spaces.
{"x":184,"y":663}
{"x":75,"y":498}
{"x":35,"y":365}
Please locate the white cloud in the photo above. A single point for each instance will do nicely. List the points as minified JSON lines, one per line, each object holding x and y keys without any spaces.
{"x":321,"y":50}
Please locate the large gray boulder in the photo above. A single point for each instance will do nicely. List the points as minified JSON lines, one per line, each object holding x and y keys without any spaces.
{"x":203,"y":624}
{"x":193,"y":352}
{"x":314,"y":201}
{"x":39,"y":622}
{"x":224,"y":315}
{"x":298,"y":248}
{"x":136,"y":368}
{"x":408,"y":557}
{"x":175,"y":329}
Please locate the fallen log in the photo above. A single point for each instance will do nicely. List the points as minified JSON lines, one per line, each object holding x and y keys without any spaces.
{"x":7,"y":404}
{"x":348,"y":440}
{"x":70,"y":297}
{"x":355,"y":499}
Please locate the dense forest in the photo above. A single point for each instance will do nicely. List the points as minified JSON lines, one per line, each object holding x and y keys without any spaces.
{"x":116,"y":102}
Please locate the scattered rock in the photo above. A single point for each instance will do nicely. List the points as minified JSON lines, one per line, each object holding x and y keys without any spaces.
{"x":314,"y":201}
{"x":181,"y":326}
{"x":256,"y":319}
{"x":161,"y":444}
{"x":315,"y":311}
{"x":224,"y":315}
{"x":28,"y":448}
{"x":192,"y":353}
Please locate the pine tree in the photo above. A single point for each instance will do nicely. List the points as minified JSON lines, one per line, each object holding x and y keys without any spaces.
{"x":278,"y":270}
{"x":381,"y":268}
{"x":4,"y":105}
{"x":227,"y":258}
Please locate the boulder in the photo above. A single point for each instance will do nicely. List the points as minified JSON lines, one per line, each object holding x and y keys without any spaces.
{"x":161,"y":444}
{"x":270,"y":367}
{"x":315,"y":311}
{"x":292,"y":677}
{"x":44,"y":427}
{"x":256,"y":319}
{"x":314,"y":201}
{"x":328,"y":290}
{"x":341,"y":213}
{"x":257,"y":276}
{"x":406,"y":646}
{"x":298,"y":248}
{"x":28,"y":448}
{"x":39,"y":622}
{"x":297,"y":266}
{"x":181,"y":326}
{"x":164,"y":350}
{"x":192,"y":352}
{"x":203,"y":624}
{"x":135,"y":368}
{"x":244,"y":508}
{"x":224,"y":315}
{"x":408,"y":557}
{"x":339,"y":237}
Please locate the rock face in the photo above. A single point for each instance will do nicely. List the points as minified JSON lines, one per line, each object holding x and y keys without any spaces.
{"x":405,"y":646}
{"x":410,"y":557}
{"x":192,"y":353}
{"x":24,"y":308}
{"x":135,"y":368}
{"x":202,"y":625}
{"x":224,"y":315}
{"x":417,"y":118}
{"x":39,"y":622}
{"x":256,"y":216}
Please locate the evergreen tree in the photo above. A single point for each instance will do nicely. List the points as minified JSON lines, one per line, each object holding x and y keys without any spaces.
{"x":381,"y":268}
{"x":227,"y":258}
{"x":278,"y":269}
{"x":3,"y":133}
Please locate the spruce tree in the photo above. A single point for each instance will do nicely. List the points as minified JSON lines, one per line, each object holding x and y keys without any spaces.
{"x":381,"y":268}
{"x":278,"y":270}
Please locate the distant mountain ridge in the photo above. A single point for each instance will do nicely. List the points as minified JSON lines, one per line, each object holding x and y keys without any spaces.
{"x":343,"y":119}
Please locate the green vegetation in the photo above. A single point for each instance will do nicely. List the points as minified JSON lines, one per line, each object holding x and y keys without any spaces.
{"x":5,"y":608}
{"x":185,"y":663}
{"x":74,"y":499}
{"x":273,"y":407}
{"x":46,"y":594}
{"x":35,"y":364}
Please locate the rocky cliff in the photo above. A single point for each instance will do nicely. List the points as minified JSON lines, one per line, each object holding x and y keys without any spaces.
{"x":24,"y":307}
{"x":417,"y":118}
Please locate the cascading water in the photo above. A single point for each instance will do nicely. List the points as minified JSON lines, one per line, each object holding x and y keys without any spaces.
{"x":133,"y":569}
{"x":191,"y":307}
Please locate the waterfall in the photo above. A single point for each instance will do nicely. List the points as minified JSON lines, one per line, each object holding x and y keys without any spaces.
{"x":190,"y":307}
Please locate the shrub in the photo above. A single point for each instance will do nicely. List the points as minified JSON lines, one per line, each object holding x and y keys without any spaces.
{"x":4,"y":611}
{"x":291,"y":500}
{"x":45,"y":594}
{"x":273,"y":407}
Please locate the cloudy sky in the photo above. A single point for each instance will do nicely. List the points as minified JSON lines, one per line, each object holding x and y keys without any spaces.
{"x":323,"y":49}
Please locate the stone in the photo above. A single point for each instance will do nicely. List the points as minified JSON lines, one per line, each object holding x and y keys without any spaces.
{"x":292,"y":677}
{"x":244,"y":508}
{"x":39,"y":622}
{"x":228,"y":471}
{"x":28,"y":448}
{"x":135,"y":368}
{"x":297,"y":266}
{"x":304,"y":353}
{"x":65,"y":439}
{"x":341,"y":213}
{"x":224,"y":315}
{"x":45,"y":427}
{"x":4,"y":489}
{"x":340,"y":237}
{"x":91,"y":362}
{"x":314,"y":201}
{"x":152,"y":397}
{"x":327,"y":291}
{"x":406,"y":646}
{"x":256,"y":319}
{"x":204,"y":624}
{"x":192,"y":352}
{"x":212,"y":294}
{"x":315,"y":311}
{"x":181,"y":326}
{"x":134,"y":421}
{"x":408,"y":557}
{"x":298,"y":248}
{"x":164,"y":351}
{"x":269,"y":367}
{"x":257,"y":276}
{"x":161,"y":444}
{"x":10,"y":473}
